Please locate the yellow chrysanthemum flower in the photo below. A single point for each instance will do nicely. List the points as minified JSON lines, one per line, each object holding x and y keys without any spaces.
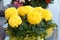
{"x":24,"y":10}
{"x":14,"y":21}
{"x":38,"y":9}
{"x":10,"y":12}
{"x":47,"y":15}
{"x":34,"y":17}
{"x":49,"y":32}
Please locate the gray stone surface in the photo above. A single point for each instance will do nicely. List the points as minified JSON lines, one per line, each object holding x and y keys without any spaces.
{"x":1,"y":4}
{"x":2,"y":21}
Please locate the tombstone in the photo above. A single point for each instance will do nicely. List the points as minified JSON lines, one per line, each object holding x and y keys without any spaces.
{"x":1,"y":8}
{"x":1,"y":4}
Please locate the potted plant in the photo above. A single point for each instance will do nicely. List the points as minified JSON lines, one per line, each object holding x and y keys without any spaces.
{"x":29,"y":23}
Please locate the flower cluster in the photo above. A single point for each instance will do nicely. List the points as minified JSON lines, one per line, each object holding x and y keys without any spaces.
{"x":34,"y":15}
{"x":12,"y":15}
{"x":28,"y":20}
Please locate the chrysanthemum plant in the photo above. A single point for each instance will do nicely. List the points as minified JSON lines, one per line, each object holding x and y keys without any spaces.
{"x":29,"y":23}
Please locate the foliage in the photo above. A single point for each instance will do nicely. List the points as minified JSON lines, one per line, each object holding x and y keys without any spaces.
{"x":36,"y":3}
